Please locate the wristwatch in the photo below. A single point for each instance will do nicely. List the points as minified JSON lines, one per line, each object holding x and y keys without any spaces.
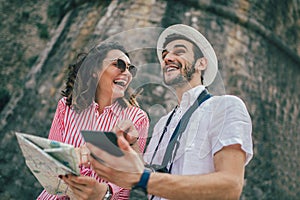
{"x":108,"y":194}
{"x":144,"y":179}
{"x":139,"y":191}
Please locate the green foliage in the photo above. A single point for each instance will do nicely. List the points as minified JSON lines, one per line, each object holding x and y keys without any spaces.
{"x":175,"y":12}
{"x":56,"y":8}
{"x":31,"y":60}
{"x":43,"y":30}
{"x":4,"y":98}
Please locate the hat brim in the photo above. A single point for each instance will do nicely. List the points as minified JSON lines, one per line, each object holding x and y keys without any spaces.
{"x":200,"y":41}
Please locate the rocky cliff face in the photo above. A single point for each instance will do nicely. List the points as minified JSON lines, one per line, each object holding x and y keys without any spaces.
{"x":257,"y":44}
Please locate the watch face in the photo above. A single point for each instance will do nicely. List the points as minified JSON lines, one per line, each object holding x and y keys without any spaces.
{"x":138,"y":193}
{"x":108,"y":194}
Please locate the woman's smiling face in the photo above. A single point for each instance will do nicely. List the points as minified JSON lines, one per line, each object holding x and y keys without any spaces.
{"x":112,"y":81}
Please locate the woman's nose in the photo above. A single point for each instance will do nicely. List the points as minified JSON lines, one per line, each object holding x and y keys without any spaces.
{"x":126,"y":71}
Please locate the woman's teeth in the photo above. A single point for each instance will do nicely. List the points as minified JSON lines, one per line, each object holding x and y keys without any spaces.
{"x":120,"y":82}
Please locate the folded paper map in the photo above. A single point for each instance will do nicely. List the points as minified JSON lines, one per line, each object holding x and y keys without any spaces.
{"x":47,"y":159}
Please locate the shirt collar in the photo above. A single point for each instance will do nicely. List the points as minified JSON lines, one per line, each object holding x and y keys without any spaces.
{"x":115,"y":108}
{"x":189,"y":97}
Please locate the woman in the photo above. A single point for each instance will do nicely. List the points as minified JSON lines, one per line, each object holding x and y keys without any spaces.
{"x":94,"y":99}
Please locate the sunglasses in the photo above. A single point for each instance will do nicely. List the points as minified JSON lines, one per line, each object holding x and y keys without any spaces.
{"x":122,"y":66}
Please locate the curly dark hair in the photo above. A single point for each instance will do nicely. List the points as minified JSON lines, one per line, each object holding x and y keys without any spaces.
{"x":81,"y":84}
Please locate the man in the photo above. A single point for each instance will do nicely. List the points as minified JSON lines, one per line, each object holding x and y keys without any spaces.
{"x":208,"y":156}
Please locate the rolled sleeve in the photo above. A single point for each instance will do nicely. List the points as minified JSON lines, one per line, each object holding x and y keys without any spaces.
{"x":231,"y":124}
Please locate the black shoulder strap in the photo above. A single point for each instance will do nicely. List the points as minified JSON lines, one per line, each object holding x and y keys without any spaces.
{"x":181,"y":126}
{"x":163,"y":134}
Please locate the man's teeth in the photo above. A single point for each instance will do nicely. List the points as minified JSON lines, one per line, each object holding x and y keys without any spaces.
{"x":120,"y":82}
{"x":169,"y":69}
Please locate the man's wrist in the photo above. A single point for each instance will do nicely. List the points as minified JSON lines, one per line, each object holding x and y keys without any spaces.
{"x":139,"y":190}
{"x":144,"y":179}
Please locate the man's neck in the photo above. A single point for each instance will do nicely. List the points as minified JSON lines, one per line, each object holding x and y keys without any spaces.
{"x":180,"y":90}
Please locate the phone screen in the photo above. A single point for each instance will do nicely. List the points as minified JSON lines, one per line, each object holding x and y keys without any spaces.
{"x":106,"y":141}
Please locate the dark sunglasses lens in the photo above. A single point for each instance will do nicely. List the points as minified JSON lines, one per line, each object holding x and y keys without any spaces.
{"x":132,"y":69}
{"x":121,"y":65}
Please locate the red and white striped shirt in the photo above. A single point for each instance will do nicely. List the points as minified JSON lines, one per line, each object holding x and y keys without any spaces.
{"x":67,"y":124}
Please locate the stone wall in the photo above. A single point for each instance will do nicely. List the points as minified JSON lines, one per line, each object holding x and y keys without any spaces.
{"x":257,"y":44}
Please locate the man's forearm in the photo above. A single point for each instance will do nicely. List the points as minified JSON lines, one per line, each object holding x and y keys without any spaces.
{"x":211,"y":186}
{"x":225,"y":183}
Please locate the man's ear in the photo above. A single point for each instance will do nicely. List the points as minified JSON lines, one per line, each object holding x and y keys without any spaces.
{"x":201,"y":64}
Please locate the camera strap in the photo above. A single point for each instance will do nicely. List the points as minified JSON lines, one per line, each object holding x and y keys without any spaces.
{"x":180,"y":128}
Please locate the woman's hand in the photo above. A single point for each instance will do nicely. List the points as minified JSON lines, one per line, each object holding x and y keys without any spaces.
{"x":127,"y":129}
{"x":82,"y":155}
{"x":85,"y":187}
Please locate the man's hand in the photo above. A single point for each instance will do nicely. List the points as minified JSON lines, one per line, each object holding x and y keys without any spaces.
{"x":124,"y":171}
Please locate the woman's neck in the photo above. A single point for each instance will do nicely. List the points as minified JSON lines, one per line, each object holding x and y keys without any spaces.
{"x":102,"y":101}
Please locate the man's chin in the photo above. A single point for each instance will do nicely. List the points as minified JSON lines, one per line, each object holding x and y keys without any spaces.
{"x":176,"y":81}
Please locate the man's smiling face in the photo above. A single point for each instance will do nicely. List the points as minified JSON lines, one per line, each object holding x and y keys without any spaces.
{"x":178,"y":62}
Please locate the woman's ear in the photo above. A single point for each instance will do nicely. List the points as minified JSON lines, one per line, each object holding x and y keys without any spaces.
{"x":201,"y":64}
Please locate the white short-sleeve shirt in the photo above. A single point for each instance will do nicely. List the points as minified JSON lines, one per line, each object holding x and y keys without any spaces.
{"x":219,"y":121}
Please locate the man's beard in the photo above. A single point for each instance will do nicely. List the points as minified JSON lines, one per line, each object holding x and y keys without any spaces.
{"x":182,"y":79}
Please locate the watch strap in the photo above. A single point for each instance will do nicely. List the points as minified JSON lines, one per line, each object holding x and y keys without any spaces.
{"x":144,"y":179}
{"x":139,"y":191}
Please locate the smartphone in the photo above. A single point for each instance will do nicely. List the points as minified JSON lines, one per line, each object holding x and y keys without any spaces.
{"x":106,"y":141}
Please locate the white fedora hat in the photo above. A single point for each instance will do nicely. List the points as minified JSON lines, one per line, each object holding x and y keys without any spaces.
{"x":200,"y":41}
